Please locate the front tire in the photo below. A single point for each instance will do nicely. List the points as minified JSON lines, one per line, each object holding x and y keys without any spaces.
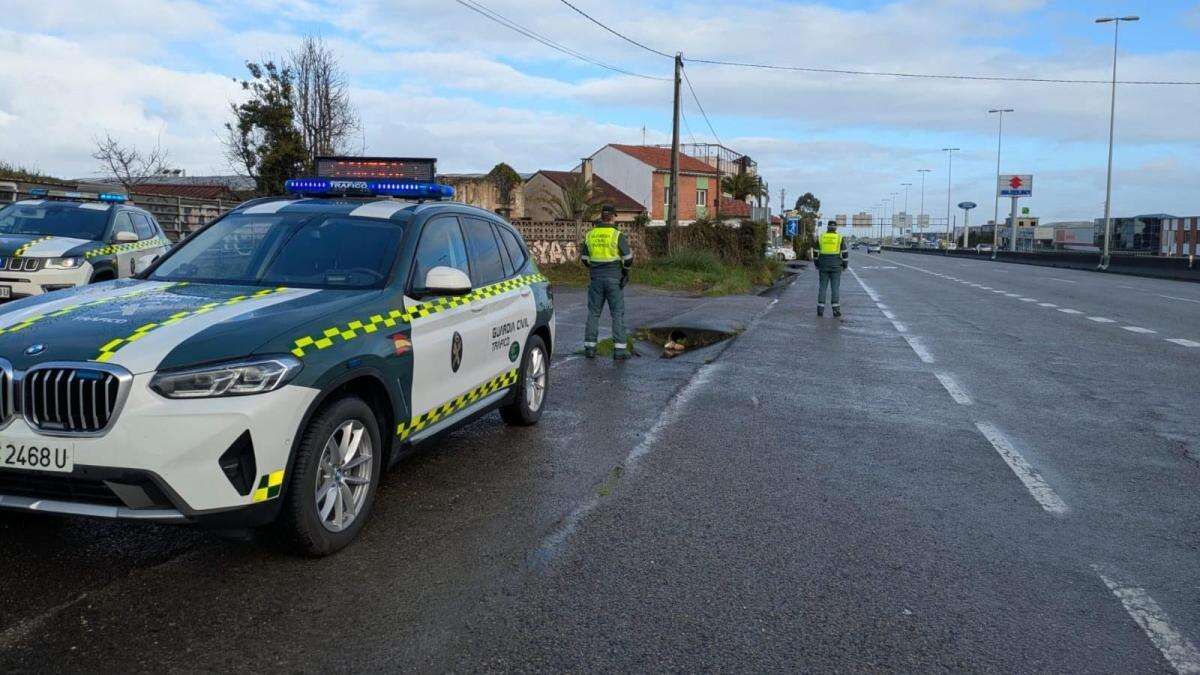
{"x":334,"y":479}
{"x":532,"y":387}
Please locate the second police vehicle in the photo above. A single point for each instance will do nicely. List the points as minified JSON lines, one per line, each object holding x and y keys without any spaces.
{"x":59,"y":240}
{"x":270,"y":367}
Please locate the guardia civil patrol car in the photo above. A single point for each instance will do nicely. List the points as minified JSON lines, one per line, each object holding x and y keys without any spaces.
{"x":270,"y":367}
{"x":61,"y":240}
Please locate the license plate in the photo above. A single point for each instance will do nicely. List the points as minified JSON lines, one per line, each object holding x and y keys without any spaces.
{"x":57,"y":457}
{"x":5,"y":292}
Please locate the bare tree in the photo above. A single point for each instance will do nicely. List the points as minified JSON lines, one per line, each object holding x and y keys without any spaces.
{"x":128,"y":165}
{"x":325,"y":116}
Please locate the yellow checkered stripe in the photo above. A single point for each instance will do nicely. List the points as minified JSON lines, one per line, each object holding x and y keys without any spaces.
{"x":26,"y":323}
{"x":126,"y":248}
{"x":269,"y":487}
{"x":360,"y":327}
{"x":21,"y":251}
{"x":110,"y":349}
{"x":406,"y":429}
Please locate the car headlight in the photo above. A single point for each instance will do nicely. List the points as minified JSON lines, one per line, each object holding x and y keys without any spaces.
{"x":64,"y":263}
{"x":238,"y":378}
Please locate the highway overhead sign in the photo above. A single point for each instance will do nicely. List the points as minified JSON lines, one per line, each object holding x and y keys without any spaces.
{"x":1016,"y":186}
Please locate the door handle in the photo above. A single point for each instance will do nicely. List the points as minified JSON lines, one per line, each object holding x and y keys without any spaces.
{"x":477,"y":307}
{"x":525,"y":292}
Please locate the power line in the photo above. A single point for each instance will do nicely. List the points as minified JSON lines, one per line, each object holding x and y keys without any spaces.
{"x":697,"y":100}
{"x":687,"y":126}
{"x":986,"y":78}
{"x":484,"y":11}
{"x":614,"y":32}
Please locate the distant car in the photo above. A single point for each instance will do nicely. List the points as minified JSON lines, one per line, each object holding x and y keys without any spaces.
{"x":874,"y":248}
{"x":983,"y":248}
{"x":61,"y":240}
{"x":781,"y":253}
{"x":854,"y":246}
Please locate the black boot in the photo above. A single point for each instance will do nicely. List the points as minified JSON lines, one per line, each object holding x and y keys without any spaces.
{"x":589,"y":352}
{"x":837,"y":310}
{"x":820,"y":310}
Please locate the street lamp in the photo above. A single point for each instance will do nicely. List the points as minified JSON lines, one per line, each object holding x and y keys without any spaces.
{"x":905,"y":212}
{"x":1112,"y":116}
{"x":996,"y":203}
{"x":892,"y":217}
{"x":949,"y":174}
{"x":922,"y":172}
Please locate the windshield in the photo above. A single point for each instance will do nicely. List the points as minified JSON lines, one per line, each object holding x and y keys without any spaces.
{"x":299,"y":249}
{"x":55,"y":220}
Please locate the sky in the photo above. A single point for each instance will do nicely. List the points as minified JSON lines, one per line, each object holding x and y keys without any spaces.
{"x":433,"y":78}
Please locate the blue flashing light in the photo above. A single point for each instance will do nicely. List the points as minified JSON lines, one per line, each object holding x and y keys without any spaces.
{"x":38,"y":192}
{"x":410,"y":189}
{"x":113,"y":197}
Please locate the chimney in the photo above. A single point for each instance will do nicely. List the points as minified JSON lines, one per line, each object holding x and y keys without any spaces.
{"x":587,"y":169}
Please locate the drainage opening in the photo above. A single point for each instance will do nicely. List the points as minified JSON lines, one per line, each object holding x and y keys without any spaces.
{"x":674,"y":341}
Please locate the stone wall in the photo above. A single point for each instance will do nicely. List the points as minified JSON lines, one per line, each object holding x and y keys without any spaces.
{"x":481,"y":192}
{"x":555,"y":242}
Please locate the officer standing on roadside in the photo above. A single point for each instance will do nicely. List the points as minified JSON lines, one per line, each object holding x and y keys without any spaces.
{"x":832,"y":258}
{"x":606,"y":253}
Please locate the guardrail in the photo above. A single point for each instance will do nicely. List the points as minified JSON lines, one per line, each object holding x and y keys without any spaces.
{"x":1161,"y":267}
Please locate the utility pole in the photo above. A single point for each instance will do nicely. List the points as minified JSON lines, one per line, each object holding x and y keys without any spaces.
{"x":949,"y":176}
{"x":996,"y":203}
{"x":673,"y":201}
{"x":1112,"y":117}
{"x":906,"y":214}
{"x":922,"y":172}
{"x":892,"y":218}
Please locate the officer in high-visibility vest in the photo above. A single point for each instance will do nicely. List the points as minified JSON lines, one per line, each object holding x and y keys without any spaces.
{"x":606,"y":252}
{"x":832,"y":258}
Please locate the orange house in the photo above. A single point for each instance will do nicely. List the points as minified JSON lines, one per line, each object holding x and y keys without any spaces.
{"x":644,"y":173}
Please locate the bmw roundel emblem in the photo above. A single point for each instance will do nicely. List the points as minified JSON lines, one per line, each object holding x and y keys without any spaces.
{"x":34,"y":350}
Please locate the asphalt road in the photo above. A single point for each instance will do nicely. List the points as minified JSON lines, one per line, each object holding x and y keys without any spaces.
{"x":949,"y":478}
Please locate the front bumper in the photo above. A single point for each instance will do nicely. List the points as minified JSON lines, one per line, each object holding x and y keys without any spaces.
{"x":26,"y":284}
{"x":160,"y":459}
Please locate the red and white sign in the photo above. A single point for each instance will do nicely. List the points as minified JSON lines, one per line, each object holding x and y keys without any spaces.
{"x":1016,"y":186}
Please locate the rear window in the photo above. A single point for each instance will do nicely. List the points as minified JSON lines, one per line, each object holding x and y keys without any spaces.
{"x":49,"y":219}
{"x":143,"y":226}
{"x":487,"y":266}
{"x":516,"y":253}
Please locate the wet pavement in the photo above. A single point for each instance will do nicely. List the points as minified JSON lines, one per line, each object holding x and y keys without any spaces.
{"x":809,"y":495}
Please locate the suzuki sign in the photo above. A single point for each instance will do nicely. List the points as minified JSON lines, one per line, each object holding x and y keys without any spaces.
{"x":1016,"y":186}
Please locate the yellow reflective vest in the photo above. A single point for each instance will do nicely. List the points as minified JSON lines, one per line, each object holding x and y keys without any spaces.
{"x":603,"y":244}
{"x":831,"y":243}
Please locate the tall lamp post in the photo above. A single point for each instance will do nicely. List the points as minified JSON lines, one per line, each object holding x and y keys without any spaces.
{"x":1112,"y":116}
{"x":949,"y":175}
{"x":922,"y":172}
{"x":996,"y":203}
{"x":906,"y":216}
{"x":892,"y":217}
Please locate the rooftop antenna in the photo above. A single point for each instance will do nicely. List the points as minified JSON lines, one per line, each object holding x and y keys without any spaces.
{"x":643,"y":134}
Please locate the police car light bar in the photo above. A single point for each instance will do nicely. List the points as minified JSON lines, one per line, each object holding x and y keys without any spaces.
{"x":373,"y":188}
{"x":113,"y":197}
{"x":107,"y":197}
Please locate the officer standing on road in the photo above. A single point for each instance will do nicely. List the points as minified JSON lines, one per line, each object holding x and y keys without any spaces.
{"x":832,"y":258}
{"x":606,"y":253}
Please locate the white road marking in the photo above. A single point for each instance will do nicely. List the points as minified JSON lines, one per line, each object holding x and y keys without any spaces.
{"x":1000,"y":292}
{"x":1101,"y":319}
{"x":1066,"y":310}
{"x":1047,"y":304}
{"x":955,"y":390}
{"x":870,"y":293}
{"x":1150,"y":617}
{"x":1065,"y":281}
{"x":1173,"y":297}
{"x":880,"y":305}
{"x":900,"y":328}
{"x":1139,"y":329}
{"x":1184,"y":343}
{"x":1028,"y":299}
{"x":1037,"y":487}
{"x":1011,"y":295}
{"x":985,"y":288}
{"x":919,"y":348}
{"x":888,"y":314}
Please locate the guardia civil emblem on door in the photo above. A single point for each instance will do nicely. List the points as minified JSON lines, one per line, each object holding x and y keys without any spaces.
{"x":456,"y":349}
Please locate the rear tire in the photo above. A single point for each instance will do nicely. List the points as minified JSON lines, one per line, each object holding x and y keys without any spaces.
{"x":332,"y":478}
{"x":532,"y":387}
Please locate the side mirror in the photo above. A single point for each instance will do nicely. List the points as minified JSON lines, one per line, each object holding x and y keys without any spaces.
{"x":446,"y":281}
{"x":125,"y":237}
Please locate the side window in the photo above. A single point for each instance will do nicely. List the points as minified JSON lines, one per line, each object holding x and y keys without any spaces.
{"x":122,"y":223}
{"x":508,"y":266}
{"x":442,"y":245}
{"x":143,"y":226}
{"x":486,"y":261}
{"x":516,"y":253}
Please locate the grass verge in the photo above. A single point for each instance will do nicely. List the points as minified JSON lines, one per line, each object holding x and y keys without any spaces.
{"x":697,"y":272}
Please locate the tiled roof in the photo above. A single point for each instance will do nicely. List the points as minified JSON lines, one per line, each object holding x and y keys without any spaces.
{"x":660,"y":158}
{"x":603,"y":189}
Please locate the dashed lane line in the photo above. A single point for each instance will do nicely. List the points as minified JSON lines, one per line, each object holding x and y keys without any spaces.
{"x":1139,"y":329}
{"x":919,"y":348}
{"x":1029,"y":300}
{"x":1184,"y":343}
{"x":1173,"y":297}
{"x":1154,"y":622}
{"x":888,"y":315}
{"x":953,"y":388}
{"x":1041,"y":491}
{"x":1101,"y":319}
{"x":900,"y":328}
{"x":1047,"y":304}
{"x":1067,"y":310}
